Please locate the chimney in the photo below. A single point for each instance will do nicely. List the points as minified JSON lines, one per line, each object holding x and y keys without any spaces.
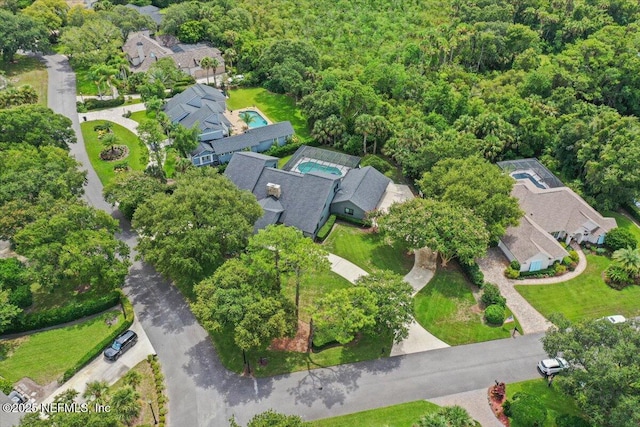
{"x":274,"y":190}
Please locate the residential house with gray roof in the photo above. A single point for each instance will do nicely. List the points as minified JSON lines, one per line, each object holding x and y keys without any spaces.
{"x":305,"y":200}
{"x":551,"y":214}
{"x":203,"y":105}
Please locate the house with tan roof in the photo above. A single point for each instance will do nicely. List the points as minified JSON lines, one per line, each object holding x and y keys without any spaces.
{"x":553,"y":213}
{"x":142,"y":49}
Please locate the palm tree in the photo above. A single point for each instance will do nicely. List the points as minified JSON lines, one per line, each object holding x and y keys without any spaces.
{"x":133,"y":379}
{"x":215,"y":64}
{"x":365,"y":126}
{"x":629,"y":260}
{"x":125,"y":405}
{"x":96,"y":391}
{"x":229,"y":55}
{"x":247,"y":118}
{"x":109,"y":140}
{"x":207,"y":64}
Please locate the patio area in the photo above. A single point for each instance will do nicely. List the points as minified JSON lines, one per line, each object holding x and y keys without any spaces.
{"x":238,"y":126}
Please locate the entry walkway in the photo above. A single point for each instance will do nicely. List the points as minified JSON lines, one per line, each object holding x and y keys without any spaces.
{"x":114,"y":115}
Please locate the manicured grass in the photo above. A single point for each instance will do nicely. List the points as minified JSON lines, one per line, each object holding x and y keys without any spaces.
{"x":403,"y":415}
{"x":61,"y":296}
{"x":137,"y":158}
{"x":84,"y":85}
{"x":447,"y":308}
{"x":283,"y":161}
{"x":277,"y":107}
{"x":282,"y":362}
{"x":27,"y":70}
{"x":147,"y":391}
{"x":44,"y":356}
{"x":584,"y":297}
{"x":140,"y":116}
{"x":367,"y":250}
{"x":556,"y":402}
{"x":312,"y":287}
{"x":624,"y":222}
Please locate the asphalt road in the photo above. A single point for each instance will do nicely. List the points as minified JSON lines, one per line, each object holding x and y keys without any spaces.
{"x":203,"y":393}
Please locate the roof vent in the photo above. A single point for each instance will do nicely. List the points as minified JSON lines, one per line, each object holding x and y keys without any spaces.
{"x":274,"y":190}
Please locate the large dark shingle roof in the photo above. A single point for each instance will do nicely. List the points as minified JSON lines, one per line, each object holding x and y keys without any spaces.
{"x":362,"y":187}
{"x":252,"y":137}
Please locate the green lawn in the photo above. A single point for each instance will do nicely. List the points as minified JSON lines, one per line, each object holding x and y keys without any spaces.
{"x":367,"y":250}
{"x":170,"y":162}
{"x":404,"y":415}
{"x":283,"y":161}
{"x":553,"y":399}
{"x":278,"y":108}
{"x":584,"y":297}
{"x":26,"y":70}
{"x":624,"y":222}
{"x":312,"y":287}
{"x":45,"y":356}
{"x":282,"y":362}
{"x":447,"y":308}
{"x":138,"y":154}
{"x":84,"y":85}
{"x":140,"y":116}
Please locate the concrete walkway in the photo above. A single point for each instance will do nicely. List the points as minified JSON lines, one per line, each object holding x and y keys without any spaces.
{"x":493,"y":266}
{"x":101,"y":369}
{"x":476,"y":402}
{"x":419,"y":339}
{"x":115,"y":115}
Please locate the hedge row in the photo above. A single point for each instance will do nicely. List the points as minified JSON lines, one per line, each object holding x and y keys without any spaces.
{"x":326,"y":228}
{"x":159,"y":383}
{"x":98,"y":348}
{"x":94,"y":104}
{"x":43,"y":319}
{"x":288,"y":148}
{"x":473,"y":273}
{"x":633,"y":211}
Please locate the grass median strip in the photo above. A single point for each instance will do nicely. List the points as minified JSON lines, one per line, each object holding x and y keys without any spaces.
{"x":403,"y":415}
{"x":44,"y":356}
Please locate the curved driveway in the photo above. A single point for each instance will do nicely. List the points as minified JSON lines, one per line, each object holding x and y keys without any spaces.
{"x":203,"y":393}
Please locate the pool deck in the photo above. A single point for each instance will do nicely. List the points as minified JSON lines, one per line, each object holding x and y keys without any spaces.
{"x":343,"y":169}
{"x":238,"y":125}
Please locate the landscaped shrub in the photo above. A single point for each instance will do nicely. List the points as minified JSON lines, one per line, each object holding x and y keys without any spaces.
{"x":494,"y":314}
{"x":567,"y":261}
{"x":617,"y":277}
{"x":510,"y":273}
{"x":42,"y":319}
{"x":21,"y":296}
{"x":326,"y":228}
{"x":515,"y":265}
{"x":620,"y":238}
{"x":559,"y":269}
{"x":473,"y":273}
{"x":491,"y":295}
{"x":98,"y":348}
{"x":94,"y":104}
{"x":378,"y":163}
{"x":121,"y":166}
{"x":601,"y":251}
{"x":159,"y":384}
{"x":574,"y":255}
{"x":527,"y":410}
{"x":633,"y":211}
{"x":12,"y":273}
{"x":5,"y":385}
{"x":566,"y":420}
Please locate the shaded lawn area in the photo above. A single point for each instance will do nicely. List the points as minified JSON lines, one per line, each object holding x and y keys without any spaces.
{"x":44,"y":356}
{"x":277,"y":107}
{"x":137,"y":158}
{"x":367,"y":347}
{"x":147,"y":390}
{"x":367,"y":250}
{"x":624,"y":222}
{"x":584,"y":297}
{"x":283,"y":161}
{"x":84,"y":85}
{"x":556,"y":402}
{"x":27,"y":70}
{"x":403,"y":415}
{"x":312,"y":287}
{"x":447,"y":308}
{"x":61,"y":296}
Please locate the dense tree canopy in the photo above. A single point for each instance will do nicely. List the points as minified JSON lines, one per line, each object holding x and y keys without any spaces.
{"x":35,"y":125}
{"x":475,"y":184}
{"x":187,"y":234}
{"x":604,"y":374}
{"x":21,"y":32}
{"x":130,"y":190}
{"x":448,"y":229}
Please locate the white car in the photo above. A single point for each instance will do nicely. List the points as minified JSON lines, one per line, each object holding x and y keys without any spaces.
{"x":616,"y":319}
{"x":552,"y":366}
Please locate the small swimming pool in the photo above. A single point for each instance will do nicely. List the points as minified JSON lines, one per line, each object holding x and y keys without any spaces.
{"x":258,"y":121}
{"x":307,"y":167}
{"x":530,"y":178}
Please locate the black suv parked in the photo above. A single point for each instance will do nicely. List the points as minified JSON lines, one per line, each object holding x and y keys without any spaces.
{"x":123,"y":343}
